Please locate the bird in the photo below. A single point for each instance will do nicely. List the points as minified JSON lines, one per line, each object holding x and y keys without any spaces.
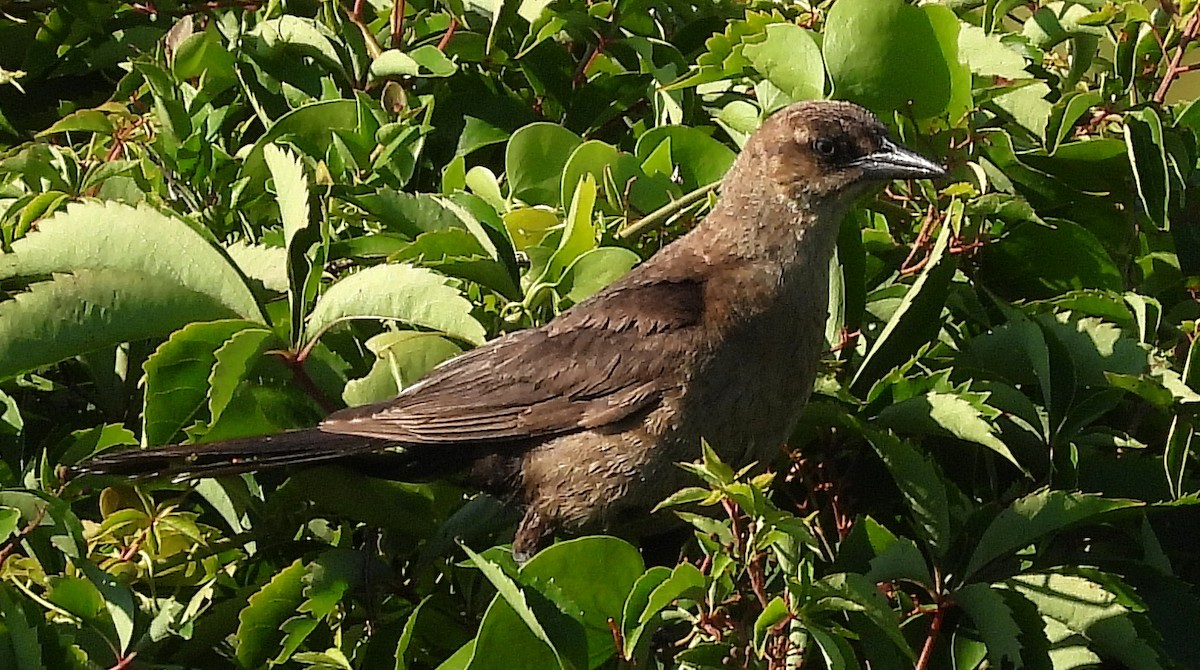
{"x":580,"y":423}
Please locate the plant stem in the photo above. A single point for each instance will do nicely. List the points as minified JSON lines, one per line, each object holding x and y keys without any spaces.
{"x":1176,"y":67}
{"x":935,"y":628}
{"x":398,"y":22}
{"x":661,"y":215}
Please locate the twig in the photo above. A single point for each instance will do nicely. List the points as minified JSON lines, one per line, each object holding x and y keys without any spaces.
{"x":295,"y":363}
{"x":398,"y":10}
{"x":935,"y":628}
{"x":910,"y":264}
{"x":22,"y":534}
{"x":373,"y":47}
{"x":1176,"y":67}
{"x":662,"y":214}
{"x":450,"y":30}
{"x":125,"y":661}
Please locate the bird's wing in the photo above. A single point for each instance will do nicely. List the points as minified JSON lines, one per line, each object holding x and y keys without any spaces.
{"x":594,"y":365}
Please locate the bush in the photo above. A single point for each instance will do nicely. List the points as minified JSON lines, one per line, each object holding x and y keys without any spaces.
{"x":227,"y":219}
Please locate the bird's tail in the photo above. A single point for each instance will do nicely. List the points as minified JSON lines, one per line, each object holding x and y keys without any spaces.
{"x":187,"y":461}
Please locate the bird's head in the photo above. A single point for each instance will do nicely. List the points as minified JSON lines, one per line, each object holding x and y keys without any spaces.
{"x":831,"y":151}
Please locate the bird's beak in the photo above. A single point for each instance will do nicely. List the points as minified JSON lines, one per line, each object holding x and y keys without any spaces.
{"x":893,"y":161}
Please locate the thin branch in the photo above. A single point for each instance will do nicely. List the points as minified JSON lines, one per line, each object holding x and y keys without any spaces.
{"x":1176,"y":66}
{"x":17,"y":539}
{"x":445,"y":41}
{"x":373,"y":47}
{"x":398,"y":10}
{"x":663,"y":214}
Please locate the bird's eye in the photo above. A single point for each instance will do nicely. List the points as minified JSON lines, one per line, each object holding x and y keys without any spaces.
{"x":825,"y":147}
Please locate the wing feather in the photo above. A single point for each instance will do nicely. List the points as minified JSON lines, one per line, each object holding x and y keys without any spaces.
{"x":591,"y":367}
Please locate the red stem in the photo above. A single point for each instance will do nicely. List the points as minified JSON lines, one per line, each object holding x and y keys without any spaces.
{"x":398,"y":22}
{"x":935,"y":628}
{"x":1176,"y":67}
{"x":445,"y":41}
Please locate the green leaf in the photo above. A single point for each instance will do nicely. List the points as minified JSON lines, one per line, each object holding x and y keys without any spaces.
{"x":83,"y":120}
{"x":924,"y":487}
{"x":401,"y":358}
{"x":790,"y":59}
{"x":594,"y":269}
{"x":139,"y":241}
{"x":579,"y":236}
{"x":76,"y":595}
{"x":262,"y":263}
{"x":685,"y":579}
{"x":774,"y":614}
{"x":1034,"y":261}
{"x":19,"y":637}
{"x":918,"y":318}
{"x":233,"y":361}
{"x":300,"y":34}
{"x":987,"y":55}
{"x":118,"y":601}
{"x":700,"y":159}
{"x":1148,"y":157}
{"x":178,"y":380}
{"x":593,"y":157}
{"x":9,"y":517}
{"x":313,"y":126}
{"x":407,"y":510}
{"x":457,"y":252}
{"x":565,"y":574}
{"x":92,"y":309}
{"x":424,"y":61}
{"x":258,"y":632}
{"x":997,"y":625}
{"x":291,"y":190}
{"x":497,"y":637}
{"x":1087,"y":608}
{"x":965,"y":416}
{"x":413,"y":296}
{"x":900,"y":65}
{"x":534,"y":162}
{"x":1036,"y":515}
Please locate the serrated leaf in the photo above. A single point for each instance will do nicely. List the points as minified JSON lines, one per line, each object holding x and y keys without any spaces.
{"x":258,"y":631}
{"x":92,"y":309}
{"x":291,"y":190}
{"x":949,"y":414}
{"x":178,"y":373}
{"x":925,"y":488}
{"x":150,"y":247}
{"x":990,"y":614}
{"x":1087,"y":608}
{"x":413,"y":296}
{"x":257,"y":261}
{"x":1034,"y":516}
{"x":918,"y":318}
{"x":233,"y":360}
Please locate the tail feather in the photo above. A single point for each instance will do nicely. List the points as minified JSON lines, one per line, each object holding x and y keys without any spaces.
{"x":230,"y":457}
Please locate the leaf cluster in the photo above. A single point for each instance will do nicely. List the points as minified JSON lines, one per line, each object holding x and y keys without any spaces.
{"x":227,"y":219}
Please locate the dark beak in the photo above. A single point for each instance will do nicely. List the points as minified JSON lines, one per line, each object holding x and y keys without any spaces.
{"x":893,"y":161}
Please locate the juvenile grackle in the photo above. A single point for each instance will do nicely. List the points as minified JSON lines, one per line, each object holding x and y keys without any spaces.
{"x":581,"y":422}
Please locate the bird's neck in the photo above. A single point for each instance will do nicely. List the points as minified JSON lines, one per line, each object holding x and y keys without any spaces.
{"x":759,"y":227}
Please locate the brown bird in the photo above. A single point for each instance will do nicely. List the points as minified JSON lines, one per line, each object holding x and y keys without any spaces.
{"x":581,"y":422}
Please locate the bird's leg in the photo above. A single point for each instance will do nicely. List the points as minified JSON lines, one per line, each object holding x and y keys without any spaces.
{"x":535,"y":531}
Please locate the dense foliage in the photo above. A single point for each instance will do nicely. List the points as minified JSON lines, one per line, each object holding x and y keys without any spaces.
{"x":228,"y":218}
